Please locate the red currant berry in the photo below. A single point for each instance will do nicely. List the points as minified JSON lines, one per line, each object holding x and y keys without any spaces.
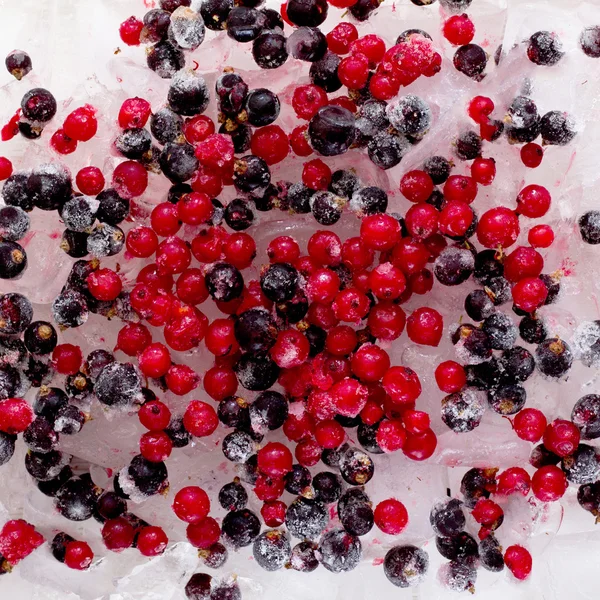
{"x":353,"y":71}
{"x":207,"y":181}
{"x":549,"y":483}
{"x":298,"y":427}
{"x":239,"y":250}
{"x":456,"y":218}
{"x":487,"y":512}
{"x":380,"y":232}
{"x":198,"y":128}
{"x":450,"y":377}
{"x":329,"y":434}
{"x":299,"y":141}
{"x":67,"y":359}
{"x":349,"y":397}
{"x":370,"y":363}
{"x":290,"y":349}
{"x":191,"y":287}
{"x":561,"y":437}
{"x":421,"y":283}
{"x":133,"y":338}
{"x":200,"y":418}
{"x":514,"y":480}
{"x":134,"y":113}
{"x":104,"y":284}
{"x":460,"y":187}
{"x":402,"y":385}
{"x":216,"y":153}
{"x":6,"y":170}
{"x":529,"y":293}
{"x":386,"y":321}
{"x":118,"y":534}
{"x":351,"y":305}
{"x":425,"y":326}
{"x":173,"y":256}
{"x":130,"y":31}
{"x":316,"y":175}
{"x":191,"y":504}
{"x":194,"y":208}
{"x":220,"y":382}
{"x":62,"y":143}
{"x":422,"y":220}
{"x":387,"y":282}
{"x":15,"y":415}
{"x":480,"y":108}
{"x":273,"y":513}
{"x":203,"y":534}
{"x":383,"y":87}
{"x":498,"y":227}
{"x":391,"y":435}
{"x":283,"y":249}
{"x":270,"y":143}
{"x":269,"y":489}
{"x":533,"y":201}
{"x":532,"y":155}
{"x":207,"y":246}
{"x":416,"y":186}
{"x":523,"y":262}
{"x":541,"y":236}
{"x":151,"y":541}
{"x":181,"y":379}
{"x":391,"y":516}
{"x":340,"y":38}
{"x":341,"y":340}
{"x":78,"y":555}
{"x":81,"y":124}
{"x":155,"y":446}
{"x":274,"y":460}
{"x":308,"y":453}
{"x":420,"y":446}
{"x":130,"y":179}
{"x":459,"y":30}
{"x":165,"y":219}
{"x":518,"y":561}
{"x":154,"y":415}
{"x":371,"y":46}
{"x":483,"y":170}
{"x":325,"y":247}
{"x":155,"y":360}
{"x":416,"y":421}
{"x":141,"y":242}
{"x":307,"y":100}
{"x":410,"y":256}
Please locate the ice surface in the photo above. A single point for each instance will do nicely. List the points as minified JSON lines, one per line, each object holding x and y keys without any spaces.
{"x":73,"y":45}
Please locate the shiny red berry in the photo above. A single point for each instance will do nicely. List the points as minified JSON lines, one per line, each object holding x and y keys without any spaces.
{"x":90,"y":181}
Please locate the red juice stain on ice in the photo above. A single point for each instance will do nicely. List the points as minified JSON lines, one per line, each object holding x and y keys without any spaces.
{"x":377,"y":562}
